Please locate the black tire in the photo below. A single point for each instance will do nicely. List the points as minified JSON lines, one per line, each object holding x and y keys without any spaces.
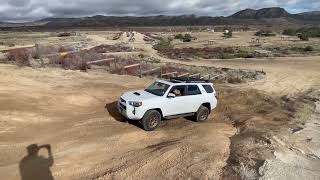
{"x":151,"y":120}
{"x":202,"y":114}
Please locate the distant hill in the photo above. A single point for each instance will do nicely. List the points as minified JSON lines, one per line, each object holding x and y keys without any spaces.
{"x":270,"y":17}
{"x":309,"y":16}
{"x":116,"y":21}
{"x":311,"y":13}
{"x":274,"y":12}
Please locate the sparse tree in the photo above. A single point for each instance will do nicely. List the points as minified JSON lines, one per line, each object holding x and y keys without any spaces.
{"x":227,"y":34}
{"x":303,"y":36}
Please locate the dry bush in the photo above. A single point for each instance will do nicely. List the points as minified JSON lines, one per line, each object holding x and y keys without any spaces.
{"x":64,"y":49}
{"x":206,"y":53}
{"x":73,"y":62}
{"x":234,"y":80}
{"x":117,"y":36}
{"x":77,"y":60}
{"x":111,"y":48}
{"x":46,"y":50}
{"x":19,"y":56}
{"x":64,"y":34}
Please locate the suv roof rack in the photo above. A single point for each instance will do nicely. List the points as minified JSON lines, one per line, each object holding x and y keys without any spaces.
{"x":188,"y":80}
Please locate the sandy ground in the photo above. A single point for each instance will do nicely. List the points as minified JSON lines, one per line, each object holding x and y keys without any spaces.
{"x":66,"y":109}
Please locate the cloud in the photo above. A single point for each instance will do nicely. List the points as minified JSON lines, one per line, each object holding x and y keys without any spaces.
{"x":26,"y":10}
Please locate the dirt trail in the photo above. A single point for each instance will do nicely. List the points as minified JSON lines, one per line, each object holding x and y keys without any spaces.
{"x":66,"y":109}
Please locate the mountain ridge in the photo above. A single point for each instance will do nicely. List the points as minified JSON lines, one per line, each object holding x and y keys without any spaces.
{"x":267,"y":16}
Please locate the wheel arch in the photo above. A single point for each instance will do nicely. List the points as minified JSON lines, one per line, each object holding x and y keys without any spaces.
{"x":207,"y":105}
{"x":159,"y":110}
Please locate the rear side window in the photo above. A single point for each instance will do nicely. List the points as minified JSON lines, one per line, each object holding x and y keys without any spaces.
{"x":208,"y":88}
{"x":193,"y":90}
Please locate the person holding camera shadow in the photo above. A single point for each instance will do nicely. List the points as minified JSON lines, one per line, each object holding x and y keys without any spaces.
{"x":35,"y":167}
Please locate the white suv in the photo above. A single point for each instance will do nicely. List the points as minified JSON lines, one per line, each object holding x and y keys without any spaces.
{"x":169,"y":99}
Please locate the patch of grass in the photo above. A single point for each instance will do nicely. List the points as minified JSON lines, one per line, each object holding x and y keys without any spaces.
{"x":304,"y":113}
{"x":225,"y":56}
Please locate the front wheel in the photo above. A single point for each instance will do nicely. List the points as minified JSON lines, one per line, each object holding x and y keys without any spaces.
{"x":202,"y":114}
{"x":151,"y":120}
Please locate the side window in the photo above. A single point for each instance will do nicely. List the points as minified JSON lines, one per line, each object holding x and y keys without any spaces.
{"x":193,"y":90}
{"x":178,"y":90}
{"x":208,"y":88}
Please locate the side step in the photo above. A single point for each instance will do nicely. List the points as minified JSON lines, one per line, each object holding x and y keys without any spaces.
{"x":179,"y":115}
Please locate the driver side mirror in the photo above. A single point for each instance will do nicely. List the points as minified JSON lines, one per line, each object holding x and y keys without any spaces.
{"x":171,"y":95}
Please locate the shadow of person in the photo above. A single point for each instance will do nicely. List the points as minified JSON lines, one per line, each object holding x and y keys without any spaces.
{"x":35,"y":167}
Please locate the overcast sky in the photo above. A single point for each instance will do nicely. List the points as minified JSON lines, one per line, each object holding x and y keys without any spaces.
{"x":26,"y":10}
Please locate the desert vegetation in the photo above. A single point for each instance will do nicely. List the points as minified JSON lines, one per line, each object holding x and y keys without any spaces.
{"x":265,"y":33}
{"x":307,"y":31}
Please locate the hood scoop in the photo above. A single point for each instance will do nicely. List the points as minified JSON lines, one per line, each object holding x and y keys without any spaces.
{"x":136,"y":93}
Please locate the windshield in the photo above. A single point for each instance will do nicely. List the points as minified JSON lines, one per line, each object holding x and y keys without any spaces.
{"x":158,"y":88}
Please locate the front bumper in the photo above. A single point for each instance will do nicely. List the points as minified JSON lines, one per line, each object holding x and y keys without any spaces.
{"x":128,"y":111}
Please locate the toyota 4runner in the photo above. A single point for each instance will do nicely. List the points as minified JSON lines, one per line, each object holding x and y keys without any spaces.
{"x":167,"y":99}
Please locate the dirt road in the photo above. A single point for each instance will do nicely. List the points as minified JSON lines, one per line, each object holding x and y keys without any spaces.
{"x":75,"y":113}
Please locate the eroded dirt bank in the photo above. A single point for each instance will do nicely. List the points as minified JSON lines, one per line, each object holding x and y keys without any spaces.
{"x":276,"y":136}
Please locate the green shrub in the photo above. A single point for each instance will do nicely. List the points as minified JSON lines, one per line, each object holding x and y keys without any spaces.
{"x":265,"y":33}
{"x":244,"y":54}
{"x":225,"y":56}
{"x":309,"y":31}
{"x":308,"y":49}
{"x":187,"y":38}
{"x":290,"y":32}
{"x":163,"y":44}
{"x":184,"y":38}
{"x":178,"y":36}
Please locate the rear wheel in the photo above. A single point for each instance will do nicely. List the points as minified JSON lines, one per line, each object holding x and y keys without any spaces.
{"x":151,"y":120}
{"x":202,"y":114}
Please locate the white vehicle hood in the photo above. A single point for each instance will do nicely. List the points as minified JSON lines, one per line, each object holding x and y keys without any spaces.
{"x":137,"y":95}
